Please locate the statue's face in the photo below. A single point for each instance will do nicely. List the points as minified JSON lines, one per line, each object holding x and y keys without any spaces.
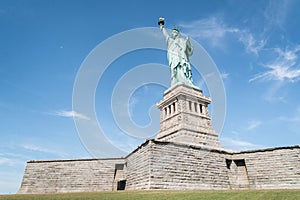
{"x":175,"y":33}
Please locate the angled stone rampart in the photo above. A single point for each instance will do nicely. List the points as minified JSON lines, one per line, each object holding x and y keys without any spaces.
{"x":58,"y":176}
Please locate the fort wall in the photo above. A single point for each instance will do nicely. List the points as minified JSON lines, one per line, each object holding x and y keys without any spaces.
{"x":182,"y":167}
{"x":58,"y":176}
{"x":138,"y":168}
{"x":273,"y":168}
{"x":170,"y":166}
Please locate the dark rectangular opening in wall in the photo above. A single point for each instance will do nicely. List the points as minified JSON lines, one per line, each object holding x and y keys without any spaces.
{"x":121,"y":185}
{"x":240,"y":163}
{"x":119,"y":166}
{"x":228,"y":163}
{"x":174,"y":107}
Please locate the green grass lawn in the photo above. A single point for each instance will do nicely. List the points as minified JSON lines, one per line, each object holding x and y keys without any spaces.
{"x":174,"y":195}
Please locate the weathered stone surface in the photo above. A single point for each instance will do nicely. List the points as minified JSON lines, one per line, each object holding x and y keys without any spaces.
{"x":138,"y":168}
{"x":168,"y":165}
{"x":182,"y":167}
{"x":85,"y":175}
{"x":274,"y":168}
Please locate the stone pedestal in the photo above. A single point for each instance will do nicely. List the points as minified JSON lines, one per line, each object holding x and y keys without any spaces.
{"x":184,"y":118}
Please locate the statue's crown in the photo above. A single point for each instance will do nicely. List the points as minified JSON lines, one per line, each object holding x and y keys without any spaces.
{"x":175,"y":28}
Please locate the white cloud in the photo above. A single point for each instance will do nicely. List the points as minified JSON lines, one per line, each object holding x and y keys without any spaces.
{"x":224,"y":76}
{"x":253,"y":124}
{"x":238,"y":144}
{"x":272,"y":95}
{"x":8,"y":161}
{"x":251,"y":44}
{"x":12,"y":159}
{"x":215,"y":31}
{"x":43,"y":150}
{"x":290,"y":119}
{"x":208,"y":28}
{"x":282,"y":66}
{"x":285,"y":67}
{"x":211,"y":29}
{"x":72,"y":113}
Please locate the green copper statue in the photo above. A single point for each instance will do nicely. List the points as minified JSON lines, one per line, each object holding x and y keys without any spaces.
{"x":179,"y":51}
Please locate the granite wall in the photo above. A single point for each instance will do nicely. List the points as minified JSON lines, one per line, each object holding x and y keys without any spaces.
{"x":182,"y":167}
{"x":138,"y":168}
{"x":57,"y":176}
{"x":273,"y":168}
{"x":170,"y":166}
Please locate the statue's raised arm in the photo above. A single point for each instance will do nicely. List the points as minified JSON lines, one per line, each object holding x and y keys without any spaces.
{"x":161,"y":24}
{"x":179,"y":51}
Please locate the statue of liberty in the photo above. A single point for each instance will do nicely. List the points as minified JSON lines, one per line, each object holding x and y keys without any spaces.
{"x":179,"y":51}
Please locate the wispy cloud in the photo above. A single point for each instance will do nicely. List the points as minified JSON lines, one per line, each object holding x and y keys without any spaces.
{"x":72,"y":113}
{"x":290,"y":119}
{"x":285,"y":66}
{"x":215,"y":31}
{"x":238,"y":144}
{"x":224,"y":75}
{"x":12,"y":159}
{"x":251,"y":44}
{"x":282,"y":66}
{"x":208,"y":28}
{"x":9,"y":161}
{"x":211,"y":29}
{"x":253,"y":124}
{"x":272,"y":95}
{"x":43,"y":150}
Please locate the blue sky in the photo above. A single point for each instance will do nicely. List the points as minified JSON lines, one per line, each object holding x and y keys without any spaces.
{"x":254,"y":44}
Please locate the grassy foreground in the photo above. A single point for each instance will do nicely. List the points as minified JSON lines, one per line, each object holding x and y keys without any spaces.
{"x":174,"y":195}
